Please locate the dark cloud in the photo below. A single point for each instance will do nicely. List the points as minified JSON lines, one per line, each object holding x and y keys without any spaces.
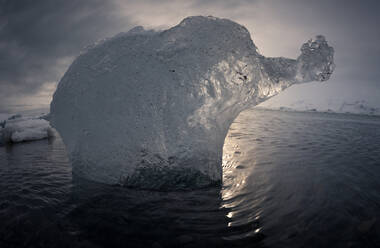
{"x":38,"y":39}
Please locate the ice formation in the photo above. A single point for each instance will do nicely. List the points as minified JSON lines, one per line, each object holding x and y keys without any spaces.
{"x":17,"y":128}
{"x":152,"y":109}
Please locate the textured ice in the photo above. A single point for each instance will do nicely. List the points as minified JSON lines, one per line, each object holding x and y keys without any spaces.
{"x":18,"y":129}
{"x":152,"y":109}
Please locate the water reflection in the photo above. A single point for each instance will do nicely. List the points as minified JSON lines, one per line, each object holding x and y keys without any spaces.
{"x":244,"y":212}
{"x":286,"y":184}
{"x":113,"y":216}
{"x":44,"y":205}
{"x":215,"y":216}
{"x":303,"y":179}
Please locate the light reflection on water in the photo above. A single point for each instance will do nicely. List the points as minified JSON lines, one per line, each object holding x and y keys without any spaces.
{"x":290,"y":180}
{"x":304,"y":179}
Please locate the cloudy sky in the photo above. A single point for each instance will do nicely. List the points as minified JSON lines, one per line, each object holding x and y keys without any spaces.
{"x":40,"y":39}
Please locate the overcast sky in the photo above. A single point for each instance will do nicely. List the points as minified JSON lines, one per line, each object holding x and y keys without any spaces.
{"x":40,"y":39}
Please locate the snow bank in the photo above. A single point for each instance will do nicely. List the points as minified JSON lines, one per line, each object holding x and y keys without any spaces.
{"x":152,"y":109}
{"x":17,"y":129}
{"x":360,"y":107}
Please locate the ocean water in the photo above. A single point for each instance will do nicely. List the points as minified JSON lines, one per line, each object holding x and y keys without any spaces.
{"x":289,"y":180}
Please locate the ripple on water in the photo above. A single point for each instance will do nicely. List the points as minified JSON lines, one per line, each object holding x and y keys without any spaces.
{"x":305,"y":180}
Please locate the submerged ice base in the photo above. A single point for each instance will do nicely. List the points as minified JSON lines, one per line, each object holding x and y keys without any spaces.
{"x":152,"y":109}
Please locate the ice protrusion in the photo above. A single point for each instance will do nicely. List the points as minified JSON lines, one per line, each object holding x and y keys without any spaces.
{"x":316,"y":62}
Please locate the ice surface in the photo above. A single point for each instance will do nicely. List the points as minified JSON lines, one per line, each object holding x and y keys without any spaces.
{"x":152,"y":109}
{"x":17,"y":129}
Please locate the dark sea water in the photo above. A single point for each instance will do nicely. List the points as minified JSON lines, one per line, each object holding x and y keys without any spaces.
{"x":290,"y":180}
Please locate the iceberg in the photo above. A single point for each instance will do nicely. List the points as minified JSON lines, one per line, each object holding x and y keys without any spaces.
{"x":17,"y":128}
{"x":151,"y":109}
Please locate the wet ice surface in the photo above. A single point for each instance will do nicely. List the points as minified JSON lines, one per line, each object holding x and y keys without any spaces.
{"x":290,"y":180}
{"x":145,"y":104}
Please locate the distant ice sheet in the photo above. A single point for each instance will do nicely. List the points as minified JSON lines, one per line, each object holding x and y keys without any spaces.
{"x":329,"y":105}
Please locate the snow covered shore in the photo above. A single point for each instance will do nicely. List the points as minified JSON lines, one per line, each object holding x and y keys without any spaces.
{"x":359,"y":107}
